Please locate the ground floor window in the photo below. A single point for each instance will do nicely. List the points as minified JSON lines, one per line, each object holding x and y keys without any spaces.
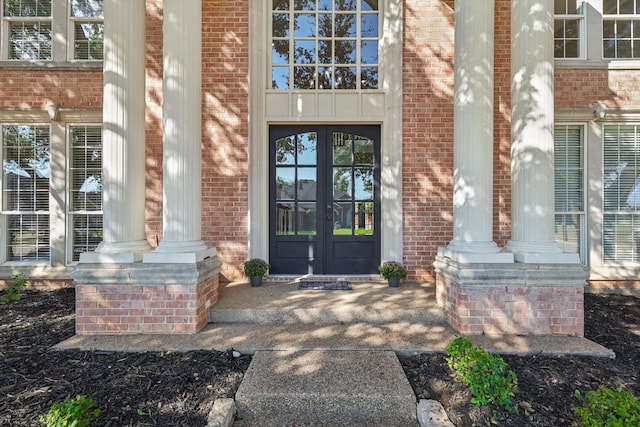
{"x":50,"y":206}
{"x":621,"y":198}
{"x":569,"y":189}
{"x":25,"y":192}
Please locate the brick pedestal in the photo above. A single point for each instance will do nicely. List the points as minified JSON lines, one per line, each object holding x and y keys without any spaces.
{"x":523,"y":299}
{"x":145,"y":298}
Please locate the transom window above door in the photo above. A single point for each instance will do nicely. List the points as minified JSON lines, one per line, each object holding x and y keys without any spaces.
{"x":324,"y":44}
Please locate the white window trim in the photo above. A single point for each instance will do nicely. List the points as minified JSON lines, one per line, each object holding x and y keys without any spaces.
{"x":68,"y":212}
{"x":62,"y":42}
{"x":583,"y":245}
{"x":594,"y":58}
{"x":582,"y":43}
{"x":57,"y":268}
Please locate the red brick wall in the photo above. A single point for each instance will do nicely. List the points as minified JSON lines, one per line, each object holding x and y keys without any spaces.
{"x":37,"y":88}
{"x":427,"y":133}
{"x":225,"y":55}
{"x":121,"y":309}
{"x":527,"y":310}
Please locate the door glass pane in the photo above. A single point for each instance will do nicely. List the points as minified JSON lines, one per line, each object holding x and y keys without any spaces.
{"x":342,"y":218}
{"x":364,"y":183}
{"x":284,"y":218}
{"x":285,"y":188}
{"x":307,"y":183}
{"x":342,"y":183}
{"x":363,"y":220}
{"x":285,"y":151}
{"x":342,"y":149}
{"x":363,"y":150}
{"x":307,"y":148}
{"x":306,"y":218}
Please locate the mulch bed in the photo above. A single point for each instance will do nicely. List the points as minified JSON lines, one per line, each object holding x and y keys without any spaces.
{"x":178,"y":389}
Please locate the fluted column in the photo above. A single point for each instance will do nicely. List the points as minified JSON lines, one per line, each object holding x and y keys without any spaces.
{"x":123,"y":135}
{"x":473,"y":135}
{"x":532,"y":123}
{"x":182,"y":125}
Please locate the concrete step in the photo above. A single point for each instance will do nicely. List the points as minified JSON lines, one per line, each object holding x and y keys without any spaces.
{"x":325,"y":388}
{"x":279,"y":302}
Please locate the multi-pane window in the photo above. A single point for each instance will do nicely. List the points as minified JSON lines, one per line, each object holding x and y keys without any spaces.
{"x":325,"y":44}
{"x":569,"y":189}
{"x":28,"y":29}
{"x":621,"y":182}
{"x":621,"y":28}
{"x":569,"y":26}
{"x":87,"y":23}
{"x":25,"y":192}
{"x":85,"y":189}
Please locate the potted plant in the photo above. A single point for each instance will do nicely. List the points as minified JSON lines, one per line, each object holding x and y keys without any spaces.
{"x":393,"y":271}
{"x":254,"y":269}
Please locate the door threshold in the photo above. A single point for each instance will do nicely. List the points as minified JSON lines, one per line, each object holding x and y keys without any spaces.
{"x":325,"y":277}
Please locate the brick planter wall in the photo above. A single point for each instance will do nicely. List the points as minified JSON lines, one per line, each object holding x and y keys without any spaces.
{"x":145,"y":298}
{"x":518,"y":299}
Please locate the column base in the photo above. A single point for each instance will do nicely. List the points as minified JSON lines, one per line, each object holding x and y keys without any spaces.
{"x":512,"y":298}
{"x":540,"y":253}
{"x":190,"y":255}
{"x":116,"y":252}
{"x":137,"y":298}
{"x":452,"y":252}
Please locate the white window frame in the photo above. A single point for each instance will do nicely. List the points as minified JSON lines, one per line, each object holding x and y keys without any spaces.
{"x":5,"y":213}
{"x":59,"y":265}
{"x":359,"y":39}
{"x":635,"y":214}
{"x":592,"y":45}
{"x":6,"y":22}
{"x":582,"y":236}
{"x":582,"y":29}
{"x":70,"y":211}
{"x":62,"y":44}
{"x":71,"y":34}
{"x":616,"y":17}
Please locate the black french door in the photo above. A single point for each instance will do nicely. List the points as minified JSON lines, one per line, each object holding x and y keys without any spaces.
{"x":324,"y":210}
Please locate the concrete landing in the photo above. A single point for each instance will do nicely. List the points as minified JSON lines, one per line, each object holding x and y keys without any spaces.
{"x":325,"y":388}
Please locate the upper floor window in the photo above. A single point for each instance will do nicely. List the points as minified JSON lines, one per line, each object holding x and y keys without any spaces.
{"x":324,"y":44}
{"x":621,"y":29}
{"x":31,"y":30}
{"x":28,"y":29}
{"x":87,"y":29}
{"x":569,"y":28}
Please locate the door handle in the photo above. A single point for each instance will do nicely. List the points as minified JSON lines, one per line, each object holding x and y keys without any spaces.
{"x":329,"y":215}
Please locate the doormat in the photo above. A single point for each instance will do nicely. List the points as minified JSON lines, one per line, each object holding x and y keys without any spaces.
{"x":339,"y":285}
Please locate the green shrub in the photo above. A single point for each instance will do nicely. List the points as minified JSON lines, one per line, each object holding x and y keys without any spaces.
{"x":14,"y":290}
{"x":608,"y":408}
{"x":486,"y":374}
{"x":78,"y":412}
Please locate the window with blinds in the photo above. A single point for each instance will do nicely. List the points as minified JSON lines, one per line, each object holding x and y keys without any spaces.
{"x":87,"y":24}
{"x":85,"y":188}
{"x":621,"y":181}
{"x":25,"y":192}
{"x":569,"y":189}
{"x":29,"y":29}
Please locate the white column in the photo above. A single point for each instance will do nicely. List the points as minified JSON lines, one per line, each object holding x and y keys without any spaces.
{"x":473,"y":136}
{"x":123,"y":135}
{"x":532,"y":122}
{"x":182,"y":125}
